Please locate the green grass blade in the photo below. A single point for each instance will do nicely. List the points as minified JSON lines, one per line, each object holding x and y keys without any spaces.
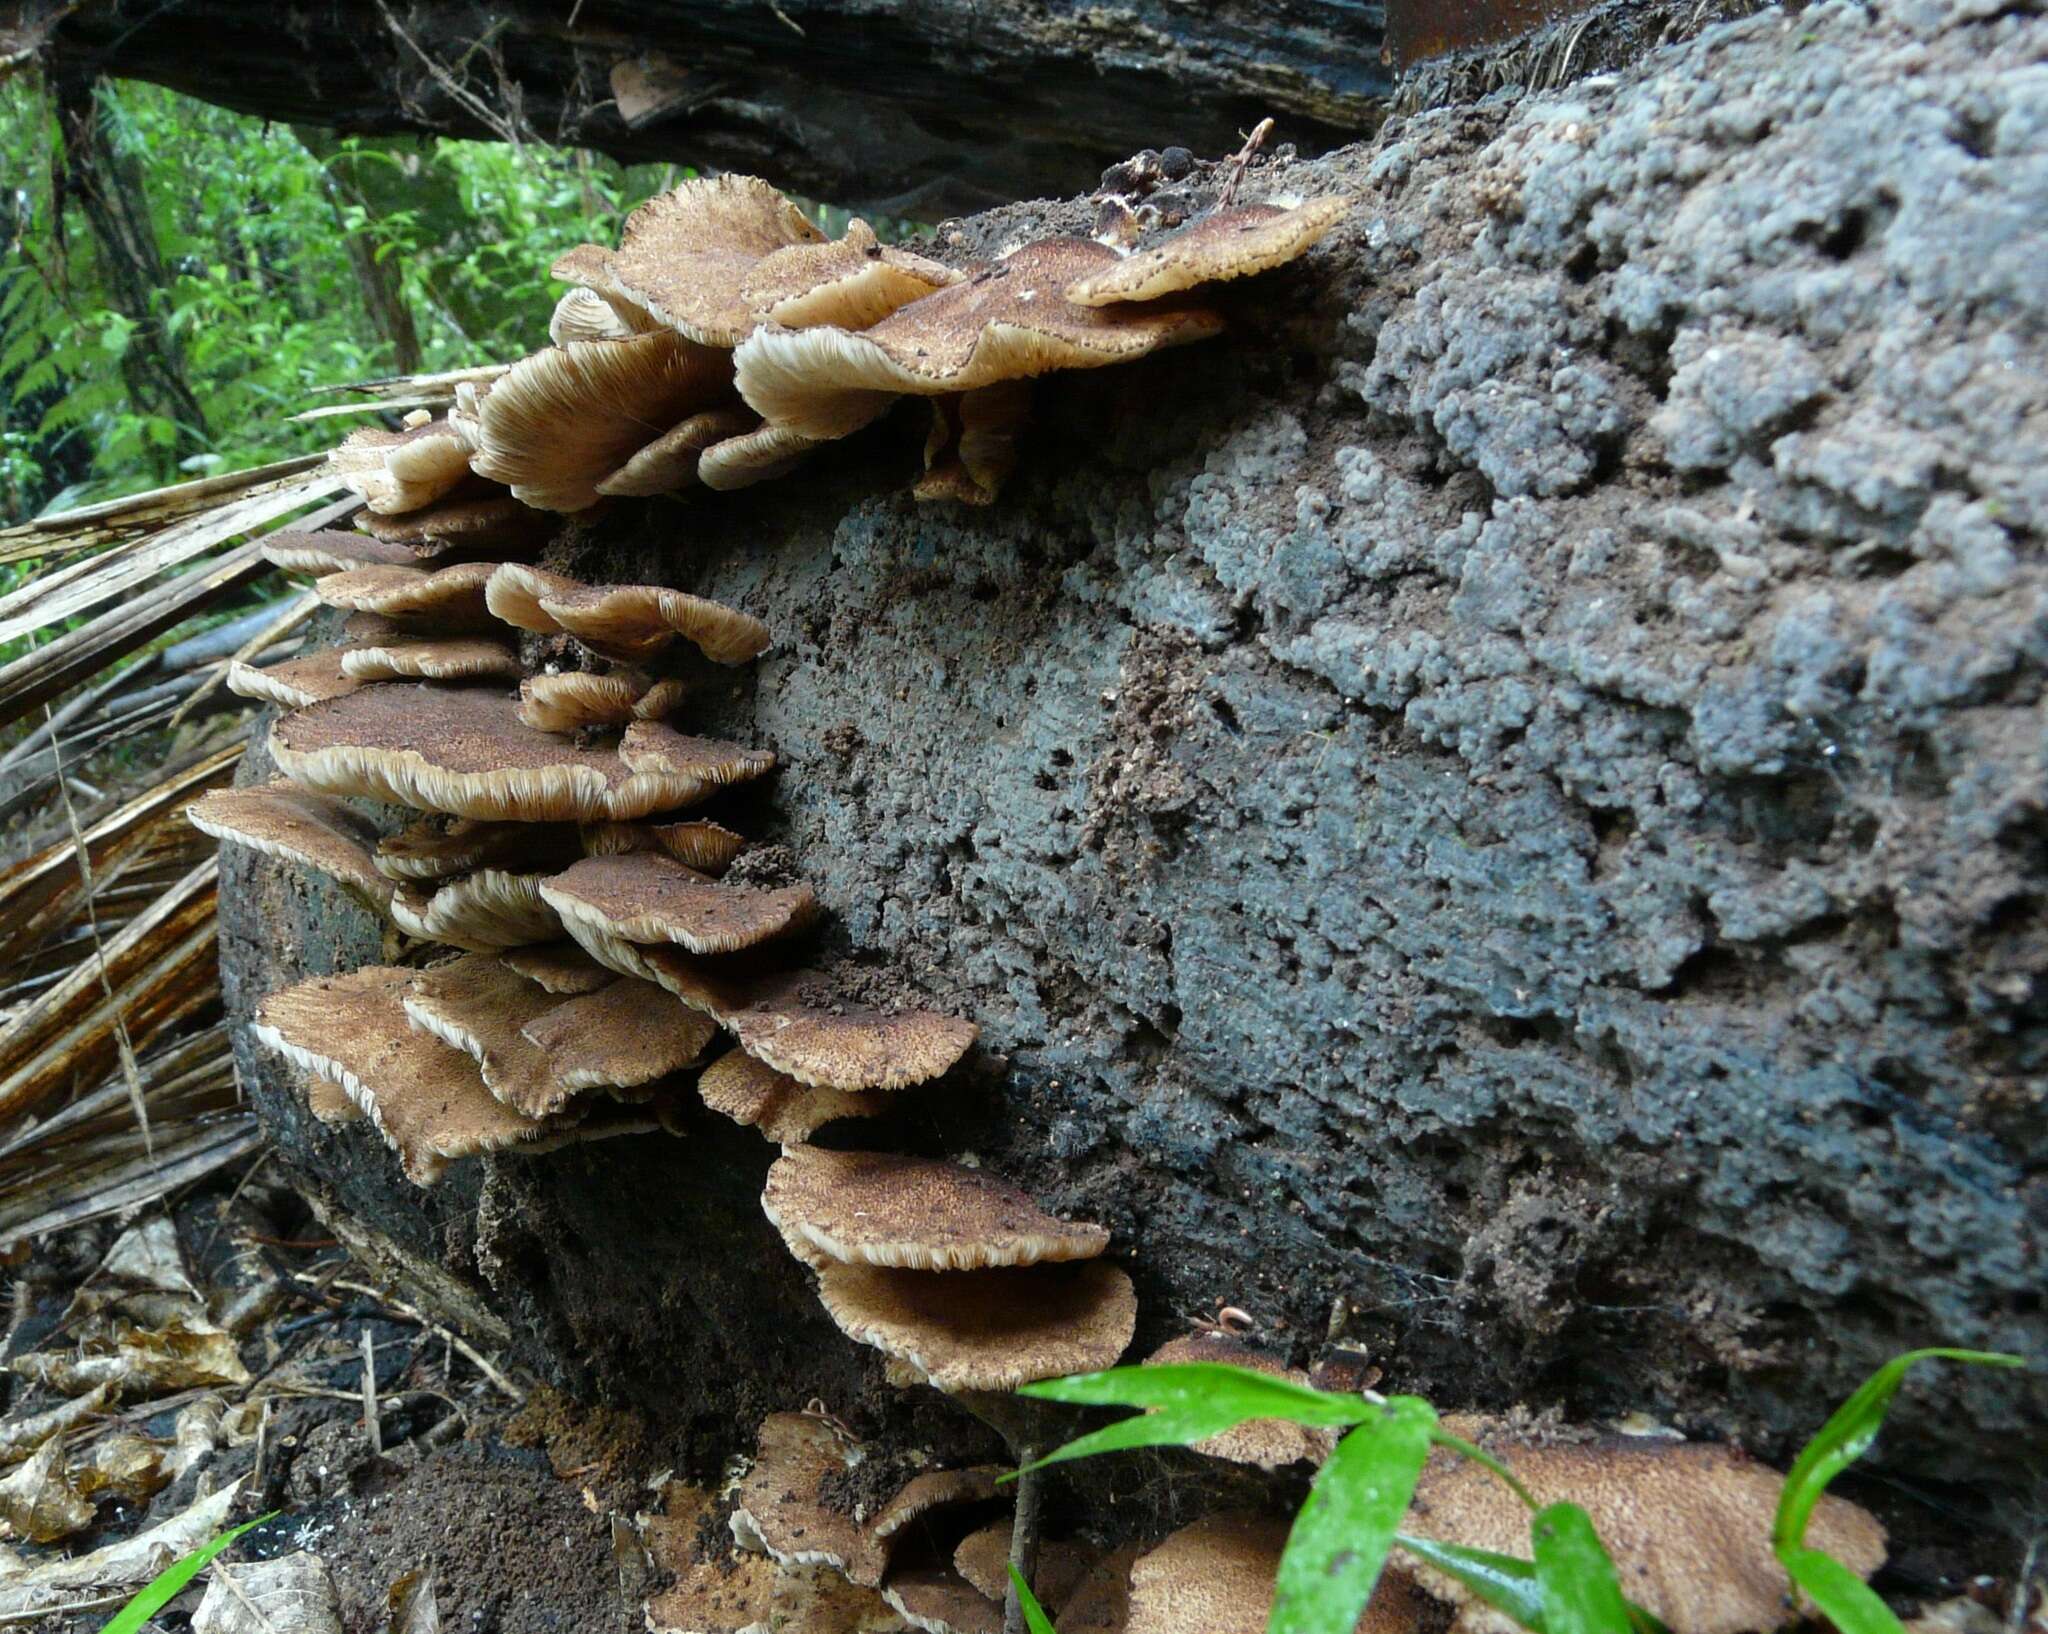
{"x":1838,"y":1594}
{"x":1188,"y":1402}
{"x":1581,"y":1594}
{"x":1848,"y":1435}
{"x":1035,"y":1618}
{"x":1341,"y":1537}
{"x":169,"y":1583}
{"x":1502,"y":1581}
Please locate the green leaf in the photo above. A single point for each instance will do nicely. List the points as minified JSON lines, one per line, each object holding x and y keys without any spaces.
{"x":1189,"y":1402}
{"x":1848,"y":1435}
{"x":1838,"y":1594}
{"x":1035,"y":1618}
{"x":1341,"y":1537}
{"x":1581,"y":1594}
{"x":165,"y":1587}
{"x":1502,"y":1581}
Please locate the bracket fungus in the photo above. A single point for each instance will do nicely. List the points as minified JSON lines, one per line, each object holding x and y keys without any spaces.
{"x":446,"y":598}
{"x":1216,"y":1577}
{"x":332,"y":551}
{"x":583,"y":315}
{"x":881,"y":1208}
{"x":625,"y":621}
{"x":560,"y":967}
{"x":428,"y":658}
{"x":280,"y":820}
{"x":436,"y":848}
{"x":983,"y":1559}
{"x":852,"y":282}
{"x":1270,"y":1443}
{"x":707,"y":847}
{"x":295,"y":683}
{"x":755,"y":1095}
{"x":669,"y":462}
{"x":489,"y":909}
{"x":972,"y":447}
{"x":1223,"y":245}
{"x":400,"y":471}
{"x":648,"y":897}
{"x":495,"y":524}
{"x":781,"y":1509}
{"x":1688,"y":1525}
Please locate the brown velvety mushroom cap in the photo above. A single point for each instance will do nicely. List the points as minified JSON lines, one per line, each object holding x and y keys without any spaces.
{"x":628,"y":621}
{"x":447,"y":658}
{"x":881,"y":1208}
{"x":478,"y":1004}
{"x":568,"y":703}
{"x":685,"y":253}
{"x":426,"y":1099}
{"x":1216,"y":1577}
{"x":296,"y":682}
{"x":753,"y":1093}
{"x":1101,"y":1601}
{"x":853,"y":282}
{"x":483,"y":911}
{"x":280,"y":820}
{"x":332,"y":551}
{"x":400,"y":471}
{"x":1267,"y":1442}
{"x":987,"y":1330}
{"x":621,"y":1036}
{"x":780,"y":1506}
{"x":562,"y":968}
{"x":448,"y":598}
{"x":465,"y":752}
{"x":669,"y":462}
{"x":939,"y":1600}
{"x":754,"y":456}
{"x":922,"y":1494}
{"x":1688,"y":1525}
{"x":711,"y":1589}
{"x":441,"y":848}
{"x":648,"y":897}
{"x":1010,"y":321}
{"x":706,"y":847}
{"x":564,"y":419}
{"x":708,"y":764}
{"x":1229,"y":244}
{"x":496,"y":522}
{"x":983,"y":1558}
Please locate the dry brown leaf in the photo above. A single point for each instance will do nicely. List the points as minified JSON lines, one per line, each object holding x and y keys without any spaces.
{"x":122,"y":1465}
{"x":186,"y":1353}
{"x":38,"y":1501}
{"x":49,"y":1587}
{"x":21,"y":1436}
{"x":293,"y":1594}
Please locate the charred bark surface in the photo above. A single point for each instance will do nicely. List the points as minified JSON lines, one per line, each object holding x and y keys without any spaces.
{"x":1494,"y":815}
{"x":909,"y":110}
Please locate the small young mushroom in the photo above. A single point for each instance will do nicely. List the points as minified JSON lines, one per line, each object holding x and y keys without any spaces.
{"x":623,"y":1036}
{"x":881,"y":1208}
{"x":1688,"y":1525}
{"x":649,"y":897}
{"x":754,"y":456}
{"x":400,"y":471}
{"x":1235,"y":243}
{"x":972,"y":447}
{"x":1216,"y":1577}
{"x":570,"y":702}
{"x":431,"y":658}
{"x":282,"y":821}
{"x":296,"y":682}
{"x":754,"y":1094}
{"x":624,"y":621}
{"x":983,"y":1559}
{"x":1009,"y":322}
{"x":427,"y":1099}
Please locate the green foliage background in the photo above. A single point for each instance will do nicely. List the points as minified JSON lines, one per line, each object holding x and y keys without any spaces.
{"x":262,"y":301}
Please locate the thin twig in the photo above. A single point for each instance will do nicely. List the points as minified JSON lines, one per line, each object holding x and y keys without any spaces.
{"x":475,"y":1356}
{"x":371,"y":1424}
{"x":1242,"y":160}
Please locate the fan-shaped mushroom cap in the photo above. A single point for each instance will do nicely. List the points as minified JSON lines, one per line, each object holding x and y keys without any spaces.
{"x":497,"y":523}
{"x":972,"y":448}
{"x":706,"y":847}
{"x":630,"y":621}
{"x":445,"y":658}
{"x":441,"y":848}
{"x":852,"y":282}
{"x":780,"y":1506}
{"x":646,"y":896}
{"x":464,"y":751}
{"x":569,"y":702}
{"x":1216,"y":1577}
{"x":753,"y":1093}
{"x":918,"y":1497}
{"x":427,"y":1100}
{"x":622,"y":1036}
{"x":296,"y":682}
{"x":1101,"y":1602}
{"x":1229,"y":244}
{"x":583,"y":314}
{"x":331,"y":551}
{"x":987,"y":1330}
{"x":983,"y":1558}
{"x":560,"y":967}
{"x":447,"y":598}
{"x":564,"y":419}
{"x":1266,"y":1442}
{"x":282,"y":821}
{"x":1009,"y":321}
{"x":755,"y":456}
{"x":1688,"y":1525}
{"x":685,"y":254}
{"x":711,"y":1590}
{"x":483,"y":911}
{"x":939,"y":1600}
{"x":881,"y":1208}
{"x":670,"y":461}
{"x":328,"y":1101}
{"x":477,"y":1004}
{"x":400,"y":471}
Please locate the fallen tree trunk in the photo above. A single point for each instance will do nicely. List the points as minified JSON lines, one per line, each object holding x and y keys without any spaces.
{"x":1492,"y":817}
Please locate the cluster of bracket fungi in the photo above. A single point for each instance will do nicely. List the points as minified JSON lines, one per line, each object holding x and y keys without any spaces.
{"x":605,"y":974}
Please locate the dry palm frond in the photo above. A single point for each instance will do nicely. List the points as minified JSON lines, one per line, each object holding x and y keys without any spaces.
{"x":112,"y":519}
